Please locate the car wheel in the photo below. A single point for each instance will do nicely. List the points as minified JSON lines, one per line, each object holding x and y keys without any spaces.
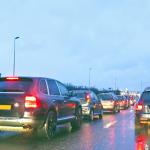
{"x":100,"y":116}
{"x":91,"y":116}
{"x":125,"y":107}
{"x":76,"y":124}
{"x":50,"y":125}
{"x":115,"y":109}
{"x":118,"y":109}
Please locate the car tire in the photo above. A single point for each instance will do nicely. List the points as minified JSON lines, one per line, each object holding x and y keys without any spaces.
{"x":100,"y":116}
{"x":115,"y":109}
{"x":76,"y":124}
{"x":50,"y":125}
{"x":118,"y":109}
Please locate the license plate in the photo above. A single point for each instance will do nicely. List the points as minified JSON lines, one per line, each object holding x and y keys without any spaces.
{"x":5,"y":107}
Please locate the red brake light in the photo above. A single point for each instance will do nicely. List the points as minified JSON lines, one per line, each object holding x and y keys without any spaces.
{"x":31,"y":102}
{"x":88,"y":98}
{"x":12,"y":78}
{"x":139,"y":106}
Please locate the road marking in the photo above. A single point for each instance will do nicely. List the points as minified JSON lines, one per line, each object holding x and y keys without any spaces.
{"x":108,"y":125}
{"x":131,"y":110}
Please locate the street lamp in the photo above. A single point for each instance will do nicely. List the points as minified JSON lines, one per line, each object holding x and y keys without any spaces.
{"x":14,"y":65}
{"x":90,"y":77}
{"x":115,"y":83}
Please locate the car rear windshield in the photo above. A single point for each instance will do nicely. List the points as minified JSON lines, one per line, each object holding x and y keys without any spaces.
{"x":105,"y":96}
{"x":146,"y":97}
{"x":119,"y":97}
{"x":79,"y":95}
{"x":21,"y":85}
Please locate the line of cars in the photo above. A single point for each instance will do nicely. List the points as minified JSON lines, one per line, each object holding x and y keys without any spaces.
{"x":40,"y":104}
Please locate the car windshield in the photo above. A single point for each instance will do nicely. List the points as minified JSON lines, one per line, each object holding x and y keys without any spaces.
{"x":120,"y":97}
{"x":79,"y":95}
{"x":105,"y":96}
{"x":14,"y":86}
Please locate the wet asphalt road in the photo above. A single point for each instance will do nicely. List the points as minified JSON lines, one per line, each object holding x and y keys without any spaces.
{"x":113,"y":132}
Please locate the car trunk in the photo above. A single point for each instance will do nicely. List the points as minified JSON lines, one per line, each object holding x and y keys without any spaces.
{"x":81,"y":97}
{"x":12,"y":104}
{"x":12,"y":96}
{"x":106,"y":99}
{"x":107,"y":102}
{"x":83,"y":101}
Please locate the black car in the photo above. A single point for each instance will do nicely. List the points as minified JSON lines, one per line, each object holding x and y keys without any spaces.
{"x":142,"y":108}
{"x":36,"y":103}
{"x":91,"y":106}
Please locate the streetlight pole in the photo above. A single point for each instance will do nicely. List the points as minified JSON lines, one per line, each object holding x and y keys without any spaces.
{"x":115,"y":83}
{"x":90,"y":77}
{"x":14,"y":65}
{"x":141,"y":84}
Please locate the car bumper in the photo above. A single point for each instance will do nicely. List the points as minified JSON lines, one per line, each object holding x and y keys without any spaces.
{"x":143,"y":118}
{"x":108,"y":107}
{"x":123,"y":106}
{"x":85,"y":111}
{"x":8,"y":123}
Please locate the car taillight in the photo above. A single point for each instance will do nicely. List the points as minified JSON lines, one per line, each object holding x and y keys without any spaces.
{"x":88,"y":98}
{"x":31,"y":102}
{"x":12,"y":78}
{"x":139,"y":106}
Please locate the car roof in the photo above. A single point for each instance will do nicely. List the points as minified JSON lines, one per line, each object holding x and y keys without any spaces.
{"x":81,"y":91}
{"x":27,"y":77}
{"x":105,"y":94}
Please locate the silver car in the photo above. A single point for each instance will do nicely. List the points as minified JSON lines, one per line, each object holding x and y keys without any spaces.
{"x":110,"y":102}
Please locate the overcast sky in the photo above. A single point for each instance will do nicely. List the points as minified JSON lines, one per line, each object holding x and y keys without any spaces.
{"x":62,"y":39}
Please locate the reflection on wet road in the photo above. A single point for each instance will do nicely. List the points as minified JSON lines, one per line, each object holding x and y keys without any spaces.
{"x":113,"y":132}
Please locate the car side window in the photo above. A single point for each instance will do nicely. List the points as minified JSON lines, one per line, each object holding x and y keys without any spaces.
{"x":63,"y":89}
{"x":43,"y":87}
{"x":53,"y":88}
